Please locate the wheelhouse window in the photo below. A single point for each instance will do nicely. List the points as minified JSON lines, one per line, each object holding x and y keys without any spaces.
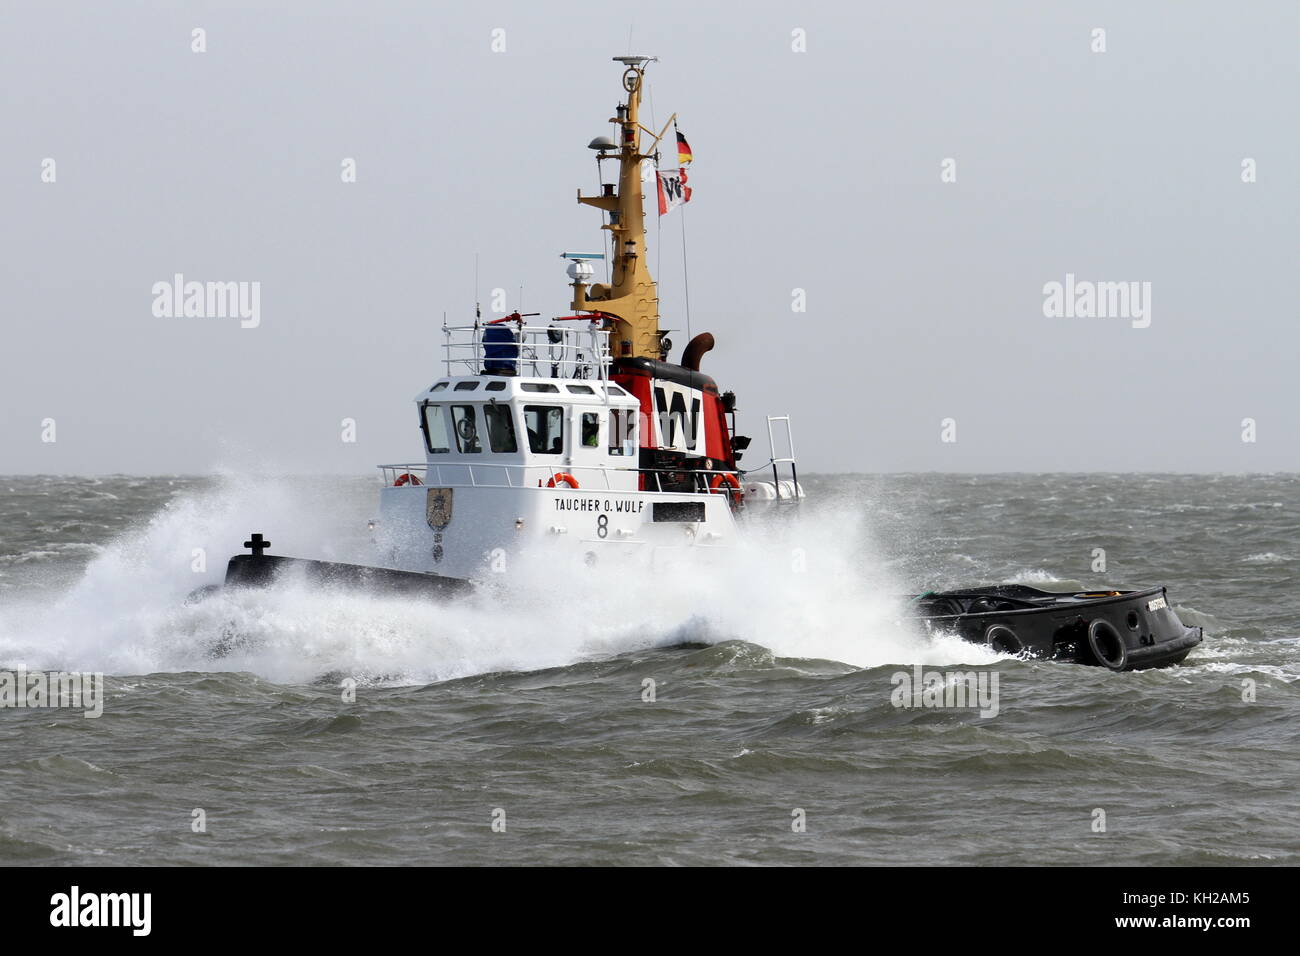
{"x":434,"y":425}
{"x":622,"y":431}
{"x":465,"y":424}
{"x":545,"y":424}
{"x":590,"y":430}
{"x":500,"y":428}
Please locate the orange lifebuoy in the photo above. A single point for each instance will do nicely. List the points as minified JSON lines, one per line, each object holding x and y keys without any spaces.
{"x":563,"y":476}
{"x":724,"y":479}
{"x":405,"y":477}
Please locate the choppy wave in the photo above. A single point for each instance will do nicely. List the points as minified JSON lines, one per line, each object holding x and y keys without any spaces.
{"x":772,"y":688}
{"x":128,"y":615}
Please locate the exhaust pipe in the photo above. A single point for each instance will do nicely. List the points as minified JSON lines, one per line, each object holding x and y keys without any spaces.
{"x":695,"y":350}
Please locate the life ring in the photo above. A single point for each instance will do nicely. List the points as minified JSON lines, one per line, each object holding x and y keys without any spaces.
{"x":565,"y":477}
{"x":725,"y":478}
{"x":406,"y":477}
{"x":1107,"y":645}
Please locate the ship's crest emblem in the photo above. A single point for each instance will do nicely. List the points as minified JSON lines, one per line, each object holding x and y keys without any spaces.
{"x":437,"y":509}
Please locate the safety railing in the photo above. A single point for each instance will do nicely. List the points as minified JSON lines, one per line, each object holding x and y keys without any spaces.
{"x":675,"y":481}
{"x":589,"y":477}
{"x":500,"y":475}
{"x":416,"y":474}
{"x":508,"y":347}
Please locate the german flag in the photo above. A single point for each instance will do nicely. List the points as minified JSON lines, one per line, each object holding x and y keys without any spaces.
{"x":683,"y":150}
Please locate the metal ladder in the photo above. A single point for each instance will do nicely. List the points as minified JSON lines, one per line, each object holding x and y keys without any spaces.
{"x":787,"y":459}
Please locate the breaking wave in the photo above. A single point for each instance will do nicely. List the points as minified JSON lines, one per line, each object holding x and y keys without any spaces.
{"x":810,"y":589}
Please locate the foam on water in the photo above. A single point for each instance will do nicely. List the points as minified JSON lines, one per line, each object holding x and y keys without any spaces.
{"x":127,"y":615}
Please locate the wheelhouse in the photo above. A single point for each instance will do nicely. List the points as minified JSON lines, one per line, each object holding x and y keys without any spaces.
{"x":527,"y":431}
{"x":523,"y":406}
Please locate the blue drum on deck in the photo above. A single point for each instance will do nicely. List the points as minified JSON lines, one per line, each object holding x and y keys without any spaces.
{"x":500,"y":350}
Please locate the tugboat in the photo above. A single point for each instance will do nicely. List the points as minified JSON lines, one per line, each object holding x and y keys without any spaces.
{"x":573,"y":437}
{"x":578,"y":440}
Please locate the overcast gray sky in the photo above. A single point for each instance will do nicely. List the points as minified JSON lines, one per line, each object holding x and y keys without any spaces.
{"x":817,"y":170}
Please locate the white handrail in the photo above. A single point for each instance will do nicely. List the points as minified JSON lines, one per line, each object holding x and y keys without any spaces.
{"x":421,"y":471}
{"x":540,"y":351}
{"x":775,"y":462}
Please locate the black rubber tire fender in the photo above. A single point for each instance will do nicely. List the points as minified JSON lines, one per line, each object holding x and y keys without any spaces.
{"x":1098,"y":632}
{"x":1002,"y":640}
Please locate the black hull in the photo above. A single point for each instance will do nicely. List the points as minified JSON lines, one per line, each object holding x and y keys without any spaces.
{"x":261,"y":570}
{"x":1121,"y":630}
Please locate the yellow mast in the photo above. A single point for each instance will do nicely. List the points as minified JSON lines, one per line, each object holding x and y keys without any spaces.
{"x":630,"y":301}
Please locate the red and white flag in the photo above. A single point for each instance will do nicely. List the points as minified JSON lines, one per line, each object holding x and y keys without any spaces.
{"x":673,"y":190}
